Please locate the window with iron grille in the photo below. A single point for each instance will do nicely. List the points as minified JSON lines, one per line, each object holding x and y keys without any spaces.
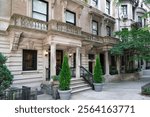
{"x":94,"y":27}
{"x":29,"y":60}
{"x":108,"y":7}
{"x":40,"y":10}
{"x":70,"y":17}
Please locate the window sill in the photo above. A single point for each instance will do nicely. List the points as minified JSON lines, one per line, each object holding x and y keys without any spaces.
{"x":26,"y":72}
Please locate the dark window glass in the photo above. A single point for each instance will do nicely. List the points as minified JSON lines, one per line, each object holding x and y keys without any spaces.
{"x":94,"y":27}
{"x":94,"y":2}
{"x":124,"y":9}
{"x":108,"y":29}
{"x":40,"y":10}
{"x":29,"y":60}
{"x":91,"y":56}
{"x":140,"y":21}
{"x":108,"y":7}
{"x":70,"y":17}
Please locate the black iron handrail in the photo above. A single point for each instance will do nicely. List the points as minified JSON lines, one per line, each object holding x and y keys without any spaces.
{"x":87,"y":76}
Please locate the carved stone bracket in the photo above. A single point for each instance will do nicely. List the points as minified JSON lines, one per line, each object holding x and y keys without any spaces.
{"x":15,"y":41}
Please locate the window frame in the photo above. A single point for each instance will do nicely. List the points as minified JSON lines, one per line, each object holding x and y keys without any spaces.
{"x":47,"y":9}
{"x":74,"y":17}
{"x":108,"y":8}
{"x":124,"y":9}
{"x":95,"y":1}
{"x":109,"y":33}
{"x":140,"y":21}
{"x":34,"y":59}
{"x":93,"y":21}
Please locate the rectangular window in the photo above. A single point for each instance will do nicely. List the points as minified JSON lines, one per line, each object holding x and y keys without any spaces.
{"x":140,"y":21}
{"x":144,"y":22}
{"x":108,"y":7}
{"x":91,"y":56}
{"x":94,"y":2}
{"x":124,"y":9}
{"x":40,"y":10}
{"x":94,"y":27}
{"x":70,"y":17}
{"x":29,"y":60}
{"x":108,"y":29}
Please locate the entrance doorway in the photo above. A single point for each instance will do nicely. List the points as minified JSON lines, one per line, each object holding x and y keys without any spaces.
{"x":59,"y":60}
{"x":102,"y":60}
{"x":91,"y":66}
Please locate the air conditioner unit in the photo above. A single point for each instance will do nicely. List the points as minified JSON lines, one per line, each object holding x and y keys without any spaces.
{"x":125,"y":16}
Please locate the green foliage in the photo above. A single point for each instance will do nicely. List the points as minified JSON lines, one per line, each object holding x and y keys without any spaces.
{"x":146,"y":91}
{"x":136,"y":42}
{"x":55,"y":78}
{"x":98,"y":78}
{"x":65,"y":75}
{"x":5,"y":75}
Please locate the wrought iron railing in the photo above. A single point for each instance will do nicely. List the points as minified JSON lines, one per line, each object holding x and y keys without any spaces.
{"x":87,"y":76}
{"x":23,"y":93}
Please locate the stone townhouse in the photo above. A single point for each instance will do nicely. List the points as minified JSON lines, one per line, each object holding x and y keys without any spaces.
{"x":35,"y":34}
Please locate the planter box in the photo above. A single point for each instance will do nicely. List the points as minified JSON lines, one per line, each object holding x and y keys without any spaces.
{"x":98,"y":86}
{"x":65,"y":95}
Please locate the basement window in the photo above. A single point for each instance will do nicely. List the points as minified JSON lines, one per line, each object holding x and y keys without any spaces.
{"x":29,"y":60}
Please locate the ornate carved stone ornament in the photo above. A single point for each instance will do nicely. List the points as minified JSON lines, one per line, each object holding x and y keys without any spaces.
{"x":15,"y":41}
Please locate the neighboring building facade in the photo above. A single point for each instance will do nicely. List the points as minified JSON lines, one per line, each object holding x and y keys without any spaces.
{"x":35,"y":34}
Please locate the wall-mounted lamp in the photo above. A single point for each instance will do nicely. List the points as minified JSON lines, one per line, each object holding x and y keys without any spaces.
{"x":46,"y":53}
{"x":70,"y":55}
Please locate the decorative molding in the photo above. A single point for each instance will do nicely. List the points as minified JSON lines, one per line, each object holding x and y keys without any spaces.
{"x":15,"y":41}
{"x":30,"y":45}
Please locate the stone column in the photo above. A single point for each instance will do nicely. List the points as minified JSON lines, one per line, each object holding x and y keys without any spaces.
{"x":118,"y":64}
{"x":78,"y":62}
{"x":144,"y":65}
{"x":106,"y":63}
{"x":53,"y":60}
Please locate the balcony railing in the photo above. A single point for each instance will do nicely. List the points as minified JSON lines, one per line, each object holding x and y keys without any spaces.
{"x":64,"y":27}
{"x":28,"y":22}
{"x":110,"y":40}
{"x":58,"y":26}
{"x":92,"y":37}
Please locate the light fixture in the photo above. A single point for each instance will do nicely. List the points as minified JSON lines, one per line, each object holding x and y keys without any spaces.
{"x":70,"y":55}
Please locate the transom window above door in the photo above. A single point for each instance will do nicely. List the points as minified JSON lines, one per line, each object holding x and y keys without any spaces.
{"x":70,"y":17}
{"x":40,"y":10}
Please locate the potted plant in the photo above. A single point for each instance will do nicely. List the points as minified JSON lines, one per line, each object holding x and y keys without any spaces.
{"x":64,"y":80}
{"x":98,"y":77}
{"x":6,"y":77}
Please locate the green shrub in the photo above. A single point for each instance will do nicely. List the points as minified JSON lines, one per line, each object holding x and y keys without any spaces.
{"x":98,"y":77}
{"x":65,"y":75}
{"x":5,"y":75}
{"x":55,"y":78}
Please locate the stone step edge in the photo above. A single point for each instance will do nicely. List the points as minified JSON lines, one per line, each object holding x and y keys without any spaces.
{"x":82,"y":89}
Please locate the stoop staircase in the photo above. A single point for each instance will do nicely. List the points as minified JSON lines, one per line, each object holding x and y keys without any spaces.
{"x":146,"y":74}
{"x":79,"y":85}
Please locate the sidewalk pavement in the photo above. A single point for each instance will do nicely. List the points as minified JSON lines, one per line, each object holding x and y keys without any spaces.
{"x":123,"y":90}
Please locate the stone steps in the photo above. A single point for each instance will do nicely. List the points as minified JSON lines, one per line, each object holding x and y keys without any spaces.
{"x":79,"y":85}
